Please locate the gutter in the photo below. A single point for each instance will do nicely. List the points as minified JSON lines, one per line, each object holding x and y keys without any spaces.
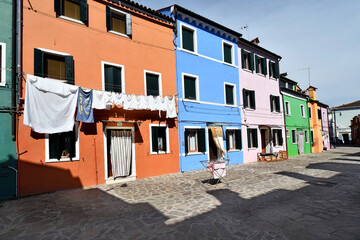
{"x":13,"y":70}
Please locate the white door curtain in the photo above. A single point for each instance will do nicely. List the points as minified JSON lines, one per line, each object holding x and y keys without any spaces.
{"x":300,"y":142}
{"x":120,"y":151}
{"x":217,"y":134}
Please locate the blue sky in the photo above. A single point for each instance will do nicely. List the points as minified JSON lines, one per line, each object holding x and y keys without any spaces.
{"x":322,"y":34}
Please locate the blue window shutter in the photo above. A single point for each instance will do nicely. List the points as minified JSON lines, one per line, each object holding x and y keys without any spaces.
{"x":128,"y":25}
{"x":69,"y":69}
{"x":108,"y":18}
{"x":38,"y":63}
{"x":84,"y":11}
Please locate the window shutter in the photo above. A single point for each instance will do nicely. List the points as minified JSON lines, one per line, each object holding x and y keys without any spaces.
{"x":69,"y":69}
{"x":38,"y":63}
{"x":244,"y":98}
{"x":162,"y":132}
{"x":238,"y":141}
{"x":227,"y":51}
{"x":227,"y":140}
{"x":201,"y":140}
{"x":256,"y":63}
{"x":248,"y":138}
{"x":276,"y":68}
{"x":271,"y":103}
{"x":252,"y":61}
{"x":54,"y":146}
{"x":117,"y":87}
{"x":152,"y":85}
{"x":190,"y":88}
{"x":128,"y":25}
{"x":277,"y":103}
{"x":252,"y":100}
{"x":71,"y":140}
{"x":109,"y":78}
{"x":242,"y":58}
{"x":58,"y":7}
{"x":280,"y":138}
{"x":154,"y":138}
{"x":264,"y":66}
{"x":108,"y":18}
{"x":229,"y":91}
{"x":84,"y":11}
{"x":186,"y":133}
{"x":256,"y":138}
{"x":187,"y":39}
{"x":273,"y":137}
{"x":271,"y":73}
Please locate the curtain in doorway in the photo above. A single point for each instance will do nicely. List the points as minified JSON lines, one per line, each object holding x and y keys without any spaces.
{"x":120,"y":153}
{"x":301,"y":142}
{"x":217,"y":134}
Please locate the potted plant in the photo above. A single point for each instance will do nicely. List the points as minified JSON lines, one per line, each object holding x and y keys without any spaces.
{"x":65,"y":154}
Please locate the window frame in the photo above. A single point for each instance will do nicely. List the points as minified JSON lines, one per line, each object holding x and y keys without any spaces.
{"x":118,"y":11}
{"x":195,"y":128}
{"x":278,"y":135}
{"x":306,"y":132}
{"x":232,"y":52}
{"x":249,"y":107}
{"x":287,"y":133}
{"x":248,"y":140}
{"x":167,"y":139}
{"x":196,"y":85}
{"x":103,"y":63}
{"x":159,"y":81}
{"x":262,"y":69}
{"x":234,"y":93}
{"x":292,"y":136}
{"x":248,"y":62}
{"x":302,"y":111}
{"x":312,"y":136}
{"x":194,"y":38}
{"x":310,"y":113}
{"x":3,"y":64}
{"x":286,"y":112}
{"x":77,"y":148}
{"x":233,"y":130}
{"x":60,"y":12}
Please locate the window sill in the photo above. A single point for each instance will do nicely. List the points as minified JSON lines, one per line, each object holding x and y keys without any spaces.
{"x":252,"y":148}
{"x":247,"y":70}
{"x":278,"y":146}
{"x":61,"y":160}
{"x":188,"y":51}
{"x":260,"y":74}
{"x":194,"y":153}
{"x":229,"y":64}
{"x":2,"y":84}
{"x":272,"y":78}
{"x":275,"y":112}
{"x":234,"y":150}
{"x":288,"y":115}
{"x":120,"y":34}
{"x":294,"y":143}
{"x":249,"y":109}
{"x":72,"y":20}
{"x":159,"y":153}
{"x":230,"y":105}
{"x":190,"y":100}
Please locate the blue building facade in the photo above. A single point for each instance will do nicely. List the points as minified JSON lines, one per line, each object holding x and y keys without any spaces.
{"x":208,"y":89}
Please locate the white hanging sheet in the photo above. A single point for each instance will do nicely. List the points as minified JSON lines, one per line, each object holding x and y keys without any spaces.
{"x":102,"y":100}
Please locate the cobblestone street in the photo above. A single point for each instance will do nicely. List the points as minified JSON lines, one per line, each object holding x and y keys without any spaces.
{"x":314,"y":196}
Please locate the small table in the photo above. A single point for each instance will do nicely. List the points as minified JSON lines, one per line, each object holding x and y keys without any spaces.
{"x":217,"y":169}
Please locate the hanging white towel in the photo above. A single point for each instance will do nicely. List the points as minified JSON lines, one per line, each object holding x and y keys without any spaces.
{"x":102,"y":100}
{"x":171,"y":108}
{"x":49,"y":105}
{"x":131,"y":102}
{"x":163,"y":104}
{"x":144,"y":102}
{"x":119,"y":98}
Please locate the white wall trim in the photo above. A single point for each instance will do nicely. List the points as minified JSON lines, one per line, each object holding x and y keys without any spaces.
{"x":159,"y":81}
{"x":195,"y":36}
{"x":54,"y":52}
{"x":71,"y":19}
{"x":167,"y":138}
{"x":3,"y":66}
{"x":196,"y":84}
{"x":223,"y":42}
{"x":103,"y":63}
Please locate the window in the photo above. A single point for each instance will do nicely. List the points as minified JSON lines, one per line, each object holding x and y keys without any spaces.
{"x":310,"y":112}
{"x":287,"y":108}
{"x":282,"y":83}
{"x":55,"y":65}
{"x":62,"y":146}
{"x":228,"y":53}
{"x":319,"y":114}
{"x":247,"y":60}
{"x":159,"y":139}
{"x":323,"y":117}
{"x":113,"y":75}
{"x":290,"y":86}
{"x":312,"y":136}
{"x":233,"y":139}
{"x":195,"y":141}
{"x":274,"y":103}
{"x":306,"y":136}
{"x":274,"y":70}
{"x":293,"y":135}
{"x":152,"y":84}
{"x":2,"y":64}
{"x":252,"y":138}
{"x":287,"y":133}
{"x":249,"y":99}
{"x":302,"y":110}
{"x":260,"y":64}
{"x":188,"y":38}
{"x":118,"y":22}
{"x":277,"y":137}
{"x":76,"y":10}
{"x":230,"y":94}
{"x":191,"y":87}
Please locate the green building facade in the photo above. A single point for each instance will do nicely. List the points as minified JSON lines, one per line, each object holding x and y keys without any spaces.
{"x":8,"y":157}
{"x":296,"y":110}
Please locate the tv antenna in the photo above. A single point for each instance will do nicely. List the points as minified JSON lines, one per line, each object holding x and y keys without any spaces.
{"x":247,"y":30}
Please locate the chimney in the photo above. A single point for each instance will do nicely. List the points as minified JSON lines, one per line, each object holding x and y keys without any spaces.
{"x":255,"y":41}
{"x":312,"y":92}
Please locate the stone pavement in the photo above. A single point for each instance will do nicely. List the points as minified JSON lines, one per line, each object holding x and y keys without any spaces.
{"x":314,"y":196}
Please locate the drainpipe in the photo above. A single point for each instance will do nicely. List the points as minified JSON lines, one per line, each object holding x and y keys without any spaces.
{"x":18,"y":46}
{"x":13,"y":71}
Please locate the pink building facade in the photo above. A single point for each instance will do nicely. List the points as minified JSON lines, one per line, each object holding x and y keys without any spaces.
{"x":263,"y":124}
{"x":325,"y":126}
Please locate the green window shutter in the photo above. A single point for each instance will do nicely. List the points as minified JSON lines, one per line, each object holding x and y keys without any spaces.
{"x":128,"y":25}
{"x":154,"y":138}
{"x":229,"y":91}
{"x":117,"y":79}
{"x":201,"y":140}
{"x":276,"y":68}
{"x":58,"y":7}
{"x":190,"y":87}
{"x":252,"y":61}
{"x":227,"y":53}
{"x":69,"y":69}
{"x":255,"y":137}
{"x":38,"y":63}
{"x":238,"y":141}
{"x":264,"y":66}
{"x":271,"y":103}
{"x":152,"y":84}
{"x":271,"y":73}
{"x":186,"y":133}
{"x":227,"y":140}
{"x":280,"y":138}
{"x":248,"y":137}
{"x":244,"y":98}
{"x":187,"y":39}
{"x":252,"y":100}
{"x":277,"y":103}
{"x":242,"y":58}
{"x":54,"y":146}
{"x":256,"y":63}
{"x":108,"y":18}
{"x":109,"y":78}
{"x":84,"y":11}
{"x":70,"y":141}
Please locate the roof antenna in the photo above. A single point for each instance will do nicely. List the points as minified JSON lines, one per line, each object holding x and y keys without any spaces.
{"x":247,"y":30}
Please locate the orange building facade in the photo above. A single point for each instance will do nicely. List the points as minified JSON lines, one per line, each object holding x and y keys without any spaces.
{"x":315,"y":121}
{"x":95,"y":38}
